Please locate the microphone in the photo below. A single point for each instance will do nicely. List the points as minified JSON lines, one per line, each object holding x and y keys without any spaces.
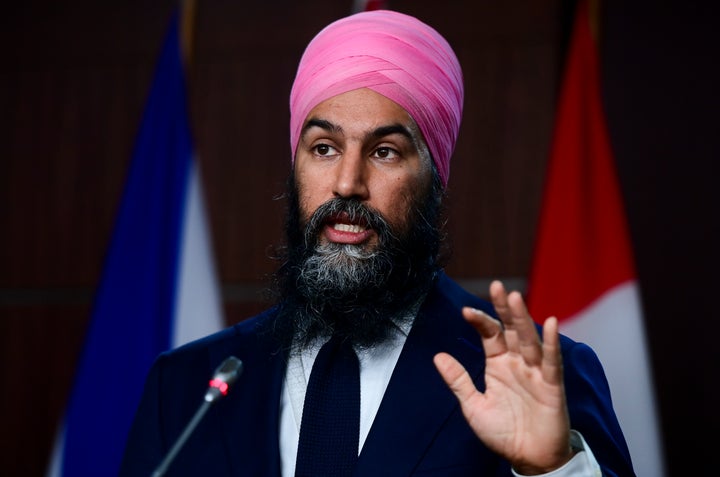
{"x":225,"y":376}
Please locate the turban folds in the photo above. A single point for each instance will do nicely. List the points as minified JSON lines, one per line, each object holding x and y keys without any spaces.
{"x":395,"y":55}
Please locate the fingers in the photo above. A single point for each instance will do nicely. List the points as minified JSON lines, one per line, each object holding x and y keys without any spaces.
{"x":455,"y":376}
{"x":552,"y":359}
{"x":520,"y":333}
{"x":489,"y":329}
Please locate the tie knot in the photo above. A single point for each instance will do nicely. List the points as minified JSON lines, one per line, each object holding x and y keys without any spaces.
{"x":336,"y":360}
{"x":339,"y":344}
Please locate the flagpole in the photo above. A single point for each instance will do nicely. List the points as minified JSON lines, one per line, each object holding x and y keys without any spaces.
{"x":594,"y":19}
{"x":187,"y":32}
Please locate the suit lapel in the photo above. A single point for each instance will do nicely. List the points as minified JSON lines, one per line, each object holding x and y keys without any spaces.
{"x":417,"y":402}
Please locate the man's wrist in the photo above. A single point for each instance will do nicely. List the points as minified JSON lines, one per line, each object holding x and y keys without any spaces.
{"x":581,"y":464}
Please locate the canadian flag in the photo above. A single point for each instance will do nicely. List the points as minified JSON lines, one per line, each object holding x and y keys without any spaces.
{"x":583,"y":267}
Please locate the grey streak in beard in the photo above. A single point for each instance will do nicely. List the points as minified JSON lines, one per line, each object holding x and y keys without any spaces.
{"x":338,"y":271}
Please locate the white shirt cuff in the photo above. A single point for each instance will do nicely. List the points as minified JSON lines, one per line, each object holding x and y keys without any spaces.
{"x":583,"y":463}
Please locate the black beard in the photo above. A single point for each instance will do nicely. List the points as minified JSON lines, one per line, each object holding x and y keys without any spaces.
{"x":350,"y":290}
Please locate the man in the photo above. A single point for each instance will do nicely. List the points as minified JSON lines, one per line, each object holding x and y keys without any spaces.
{"x":440,"y":386}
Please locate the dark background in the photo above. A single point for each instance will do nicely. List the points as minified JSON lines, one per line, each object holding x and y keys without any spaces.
{"x":74,"y":77}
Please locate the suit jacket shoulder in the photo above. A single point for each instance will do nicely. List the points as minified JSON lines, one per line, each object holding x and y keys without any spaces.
{"x":238,"y":435}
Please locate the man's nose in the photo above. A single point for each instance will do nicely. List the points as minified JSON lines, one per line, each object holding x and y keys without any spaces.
{"x":351,"y":175}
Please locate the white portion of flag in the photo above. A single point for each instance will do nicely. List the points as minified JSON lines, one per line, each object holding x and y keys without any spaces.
{"x":55,"y":466}
{"x":612,"y":325}
{"x":198,"y":302}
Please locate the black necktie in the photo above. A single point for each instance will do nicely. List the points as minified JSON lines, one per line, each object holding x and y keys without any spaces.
{"x":330,"y":427}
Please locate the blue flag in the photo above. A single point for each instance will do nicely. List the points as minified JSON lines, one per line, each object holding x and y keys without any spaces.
{"x":160,"y":239}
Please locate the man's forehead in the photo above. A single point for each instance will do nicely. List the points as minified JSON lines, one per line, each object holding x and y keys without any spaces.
{"x":364,"y":110}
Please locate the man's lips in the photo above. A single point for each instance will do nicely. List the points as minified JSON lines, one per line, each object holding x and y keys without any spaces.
{"x":347,"y":233}
{"x":352,"y":228}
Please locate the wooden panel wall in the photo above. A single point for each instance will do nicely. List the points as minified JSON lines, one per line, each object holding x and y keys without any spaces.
{"x":73,"y":81}
{"x":661,"y":77}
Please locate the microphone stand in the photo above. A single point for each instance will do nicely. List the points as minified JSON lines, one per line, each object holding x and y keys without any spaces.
{"x":225,"y":375}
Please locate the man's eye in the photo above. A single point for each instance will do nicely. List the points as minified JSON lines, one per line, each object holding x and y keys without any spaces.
{"x":324,"y":150}
{"x":385,"y":153}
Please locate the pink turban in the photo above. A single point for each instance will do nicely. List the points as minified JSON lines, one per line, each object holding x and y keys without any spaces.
{"x":395,"y":55}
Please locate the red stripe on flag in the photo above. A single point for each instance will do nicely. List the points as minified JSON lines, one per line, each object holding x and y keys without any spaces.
{"x":582,"y":246}
{"x":368,"y":5}
{"x":374,"y":5}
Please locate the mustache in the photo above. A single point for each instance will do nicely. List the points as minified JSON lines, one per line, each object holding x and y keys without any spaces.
{"x":350,"y":210}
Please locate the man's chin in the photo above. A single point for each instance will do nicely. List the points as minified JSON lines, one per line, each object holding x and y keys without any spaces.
{"x":347,"y":252}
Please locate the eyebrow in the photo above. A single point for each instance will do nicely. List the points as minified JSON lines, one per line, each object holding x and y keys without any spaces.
{"x":377,"y":133}
{"x":320,"y":123}
{"x":383,"y":131}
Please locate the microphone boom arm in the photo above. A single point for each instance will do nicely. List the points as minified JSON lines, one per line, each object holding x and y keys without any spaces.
{"x":225,"y":375}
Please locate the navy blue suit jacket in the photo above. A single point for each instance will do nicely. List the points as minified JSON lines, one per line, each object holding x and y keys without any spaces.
{"x":419,"y":429}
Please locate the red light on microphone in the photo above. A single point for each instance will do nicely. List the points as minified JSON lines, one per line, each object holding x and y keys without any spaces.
{"x":220,"y":385}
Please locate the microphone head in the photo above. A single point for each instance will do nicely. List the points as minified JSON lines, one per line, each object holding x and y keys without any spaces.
{"x":225,"y":375}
